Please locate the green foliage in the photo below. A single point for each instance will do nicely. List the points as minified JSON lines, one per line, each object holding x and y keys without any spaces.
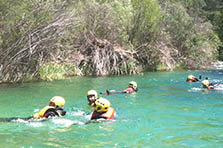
{"x":103,"y":1}
{"x":180,"y":66}
{"x":144,"y":22}
{"x":56,"y":71}
{"x":100,"y":20}
{"x":161,"y":67}
{"x":178,"y":24}
{"x":28,"y":31}
{"x":124,"y":9}
{"x":218,"y":22}
{"x":193,"y":38}
{"x":21,"y":18}
{"x":213,"y":11}
{"x":194,"y":6}
{"x":106,"y":36}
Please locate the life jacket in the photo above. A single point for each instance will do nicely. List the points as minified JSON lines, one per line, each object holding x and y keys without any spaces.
{"x":106,"y":115}
{"x":206,"y":83}
{"x":49,"y":111}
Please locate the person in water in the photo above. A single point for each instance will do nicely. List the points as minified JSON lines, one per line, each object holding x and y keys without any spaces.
{"x":132,"y":87}
{"x":92,"y":96}
{"x":102,"y":110}
{"x":207,"y":84}
{"x":53,"y":109}
{"x":192,"y":78}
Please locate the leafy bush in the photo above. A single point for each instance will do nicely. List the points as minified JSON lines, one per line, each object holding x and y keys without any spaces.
{"x":56,"y":71}
{"x":145,"y":20}
{"x":56,"y":39}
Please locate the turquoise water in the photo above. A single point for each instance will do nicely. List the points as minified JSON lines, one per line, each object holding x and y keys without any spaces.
{"x":167,"y":112}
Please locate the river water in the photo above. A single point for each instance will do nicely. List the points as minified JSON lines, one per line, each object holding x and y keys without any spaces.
{"x":167,"y":112}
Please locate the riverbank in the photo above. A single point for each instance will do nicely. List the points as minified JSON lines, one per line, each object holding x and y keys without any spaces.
{"x":50,"y":40}
{"x":57,"y":72}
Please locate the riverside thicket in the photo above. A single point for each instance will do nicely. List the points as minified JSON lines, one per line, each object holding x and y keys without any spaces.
{"x":55,"y":39}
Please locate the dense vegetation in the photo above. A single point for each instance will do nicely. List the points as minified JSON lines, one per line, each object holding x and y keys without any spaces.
{"x":214,"y":12}
{"x":54,"y":39}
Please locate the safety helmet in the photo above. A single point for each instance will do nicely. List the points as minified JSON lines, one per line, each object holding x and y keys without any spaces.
{"x":205,"y":83}
{"x":190,"y":77}
{"x":58,"y":101}
{"x":92,"y":92}
{"x":134,"y":84}
{"x":102,"y":105}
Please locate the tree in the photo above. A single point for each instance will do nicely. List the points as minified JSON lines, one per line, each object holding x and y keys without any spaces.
{"x":145,"y":21}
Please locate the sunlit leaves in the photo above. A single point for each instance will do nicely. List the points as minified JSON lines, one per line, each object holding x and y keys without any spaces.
{"x":145,"y":21}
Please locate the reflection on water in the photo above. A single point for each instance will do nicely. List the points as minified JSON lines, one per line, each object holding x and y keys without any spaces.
{"x":166,"y":112}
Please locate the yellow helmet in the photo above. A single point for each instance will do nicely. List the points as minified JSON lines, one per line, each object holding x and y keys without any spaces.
{"x":190,"y":77}
{"x":102,"y":105}
{"x":92,"y":92}
{"x":205,"y":83}
{"x":134,"y":84}
{"x":58,"y":101}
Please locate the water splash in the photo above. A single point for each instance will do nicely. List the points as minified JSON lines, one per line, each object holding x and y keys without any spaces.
{"x":66,"y":122}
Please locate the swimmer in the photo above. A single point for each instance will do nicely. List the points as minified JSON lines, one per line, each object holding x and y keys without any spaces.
{"x":132,"y":87}
{"x":207,"y":84}
{"x":92,"y":96}
{"x":103,"y":110}
{"x":192,"y":78}
{"x":53,"y":109}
